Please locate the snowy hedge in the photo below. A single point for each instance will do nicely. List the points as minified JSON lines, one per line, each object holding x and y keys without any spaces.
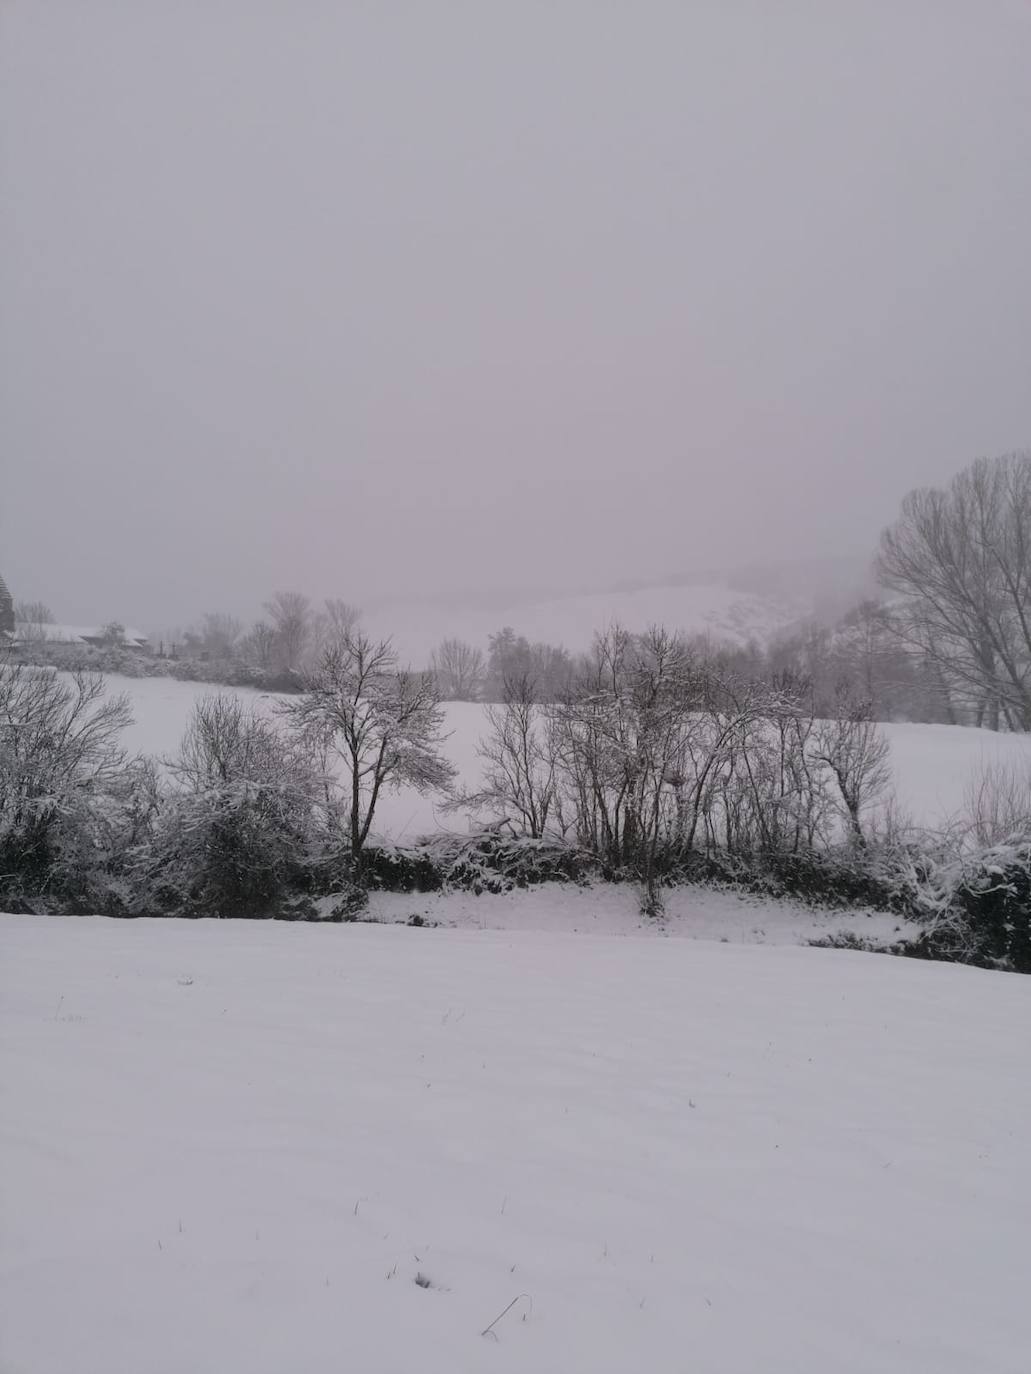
{"x":250,"y":819}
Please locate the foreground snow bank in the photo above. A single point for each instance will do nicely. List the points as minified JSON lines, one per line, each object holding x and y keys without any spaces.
{"x":236,"y":1147}
{"x":691,"y":911}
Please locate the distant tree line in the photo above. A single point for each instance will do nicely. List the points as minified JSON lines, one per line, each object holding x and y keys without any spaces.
{"x":652,"y":765}
{"x":262,"y":806}
{"x":949,"y":642}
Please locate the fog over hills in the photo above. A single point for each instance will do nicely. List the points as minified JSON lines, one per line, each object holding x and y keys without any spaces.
{"x":748,"y":604}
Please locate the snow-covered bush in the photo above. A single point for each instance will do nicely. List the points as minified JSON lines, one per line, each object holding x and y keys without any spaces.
{"x":221,"y":672}
{"x":87,"y":658}
{"x":65,"y":784}
{"x":489,"y":861}
{"x":976,"y":908}
{"x":240,"y":833}
{"x":494,"y":862}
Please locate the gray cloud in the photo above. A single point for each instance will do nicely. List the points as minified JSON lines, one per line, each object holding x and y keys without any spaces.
{"x":381,"y":300}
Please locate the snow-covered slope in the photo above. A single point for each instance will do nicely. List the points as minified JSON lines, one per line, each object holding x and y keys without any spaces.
{"x":690,"y":912}
{"x":267,"y":1148}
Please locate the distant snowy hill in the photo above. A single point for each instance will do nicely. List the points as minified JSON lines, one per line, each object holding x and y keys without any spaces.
{"x":721,"y":611}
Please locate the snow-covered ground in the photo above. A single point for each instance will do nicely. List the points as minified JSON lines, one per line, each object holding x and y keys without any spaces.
{"x":932,"y":763}
{"x":246,"y":1147}
{"x":690,"y":912}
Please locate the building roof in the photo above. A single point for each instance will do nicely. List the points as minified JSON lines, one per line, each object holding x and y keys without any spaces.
{"x":73,"y":634}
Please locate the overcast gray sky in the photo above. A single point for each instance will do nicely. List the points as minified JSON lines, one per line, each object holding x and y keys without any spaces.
{"x":378,"y":299}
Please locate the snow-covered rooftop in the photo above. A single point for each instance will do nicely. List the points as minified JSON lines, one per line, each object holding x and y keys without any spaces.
{"x":71,"y":634}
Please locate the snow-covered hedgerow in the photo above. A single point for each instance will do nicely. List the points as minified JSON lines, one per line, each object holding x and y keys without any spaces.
{"x":223,"y":672}
{"x":248,"y":819}
{"x":977,"y":908}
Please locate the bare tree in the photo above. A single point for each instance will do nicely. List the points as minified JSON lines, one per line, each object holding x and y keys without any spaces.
{"x":640,"y":738}
{"x":520,"y":786}
{"x":770,"y":796}
{"x":383,"y":725}
{"x":33,"y":613}
{"x":291,"y":617}
{"x":32,"y":618}
{"x":60,"y":755}
{"x":459,"y":670}
{"x":220,"y":634}
{"x":961,"y":559}
{"x":258,"y":645}
{"x":332,"y":624}
{"x":856,"y":753}
{"x":998,"y":802}
{"x":342,"y":616}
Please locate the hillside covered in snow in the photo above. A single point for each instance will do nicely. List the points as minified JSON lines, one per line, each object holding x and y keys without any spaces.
{"x":716,"y":609}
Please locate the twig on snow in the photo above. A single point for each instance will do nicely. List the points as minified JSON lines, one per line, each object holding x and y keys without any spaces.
{"x":489,"y":1330}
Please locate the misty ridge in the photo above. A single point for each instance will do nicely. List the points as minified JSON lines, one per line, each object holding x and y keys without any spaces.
{"x":941,"y":634}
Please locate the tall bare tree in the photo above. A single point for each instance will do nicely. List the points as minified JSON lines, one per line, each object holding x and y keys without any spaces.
{"x":331,"y":624}
{"x":381,"y":724}
{"x":220,"y":634}
{"x":291,"y":617}
{"x":258,"y":645}
{"x":32,"y":618}
{"x":458,"y":668}
{"x":520,"y":786}
{"x":33,"y":613}
{"x":856,"y":754}
{"x":961,"y":561}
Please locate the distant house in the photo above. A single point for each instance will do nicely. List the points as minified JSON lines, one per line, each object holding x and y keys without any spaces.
{"x":96,"y":636}
{"x":6,"y":610}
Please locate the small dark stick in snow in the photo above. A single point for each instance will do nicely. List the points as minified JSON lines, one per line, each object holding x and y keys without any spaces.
{"x":489,"y":1330}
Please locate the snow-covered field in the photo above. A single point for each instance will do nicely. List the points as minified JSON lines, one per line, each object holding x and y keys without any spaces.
{"x":690,"y":912}
{"x":932,"y":763}
{"x":269,"y":1148}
